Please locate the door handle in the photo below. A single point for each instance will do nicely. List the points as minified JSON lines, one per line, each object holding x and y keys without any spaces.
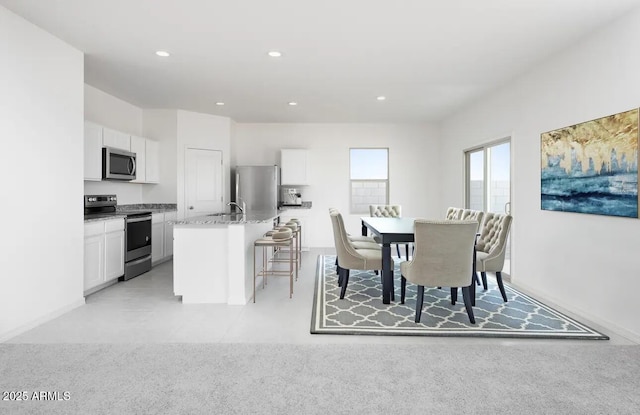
{"x":507,"y":208}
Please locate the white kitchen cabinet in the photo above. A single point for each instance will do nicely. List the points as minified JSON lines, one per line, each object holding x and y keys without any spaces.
{"x":103,"y":252}
{"x":303,"y":216}
{"x":93,"y":261}
{"x":139,"y":146}
{"x":114,"y":249}
{"x":152,"y":161}
{"x":168,"y":233}
{"x":294,"y":167}
{"x":116,"y":139}
{"x":157,"y":237}
{"x":162,"y":236}
{"x":92,"y":151}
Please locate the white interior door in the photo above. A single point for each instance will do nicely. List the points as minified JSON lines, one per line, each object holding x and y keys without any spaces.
{"x":203,"y":181}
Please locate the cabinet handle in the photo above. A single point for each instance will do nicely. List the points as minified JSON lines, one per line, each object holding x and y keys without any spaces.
{"x":190,"y":207}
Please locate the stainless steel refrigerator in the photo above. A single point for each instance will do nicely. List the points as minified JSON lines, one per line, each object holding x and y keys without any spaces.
{"x":257,"y":186}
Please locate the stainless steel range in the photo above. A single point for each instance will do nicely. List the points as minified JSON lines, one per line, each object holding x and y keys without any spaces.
{"x":137,"y":231}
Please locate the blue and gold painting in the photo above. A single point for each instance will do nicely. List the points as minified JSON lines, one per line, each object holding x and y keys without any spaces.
{"x":592,"y":167}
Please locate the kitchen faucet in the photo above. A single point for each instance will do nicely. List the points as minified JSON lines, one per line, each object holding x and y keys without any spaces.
{"x":242,"y":208}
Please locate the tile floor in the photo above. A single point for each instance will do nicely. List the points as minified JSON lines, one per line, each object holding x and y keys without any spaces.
{"x":144,"y":310}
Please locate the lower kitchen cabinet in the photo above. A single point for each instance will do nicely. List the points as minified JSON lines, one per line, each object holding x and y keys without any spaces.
{"x":103,"y":252}
{"x":162,"y":236}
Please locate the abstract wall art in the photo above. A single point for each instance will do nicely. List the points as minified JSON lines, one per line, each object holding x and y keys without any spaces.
{"x":592,"y":167}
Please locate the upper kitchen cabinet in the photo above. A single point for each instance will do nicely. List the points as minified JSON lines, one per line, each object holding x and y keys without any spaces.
{"x":152,"y":162}
{"x":116,"y":139}
{"x":147,"y":162}
{"x":294,"y":167}
{"x":139,"y":146}
{"x":92,"y":151}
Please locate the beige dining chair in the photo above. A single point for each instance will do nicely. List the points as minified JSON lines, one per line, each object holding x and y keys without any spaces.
{"x":443,"y":258}
{"x":350,"y":257}
{"x":491,"y":247}
{"x":453,"y":213}
{"x":388,"y":211}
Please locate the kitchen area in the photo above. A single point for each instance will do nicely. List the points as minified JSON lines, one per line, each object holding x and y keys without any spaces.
{"x":214,"y":256}
{"x":212,"y":251}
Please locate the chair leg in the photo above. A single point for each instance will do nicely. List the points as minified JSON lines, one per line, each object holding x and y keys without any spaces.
{"x":467,"y":304}
{"x":345,"y":281}
{"x":393,"y":288}
{"x":419,"y":301}
{"x":403,"y":288}
{"x":398,"y":249}
{"x":484,"y":280}
{"x":501,"y":285}
{"x":475,"y":278}
{"x":454,"y":295}
{"x":340,"y":276}
{"x":406,"y":248}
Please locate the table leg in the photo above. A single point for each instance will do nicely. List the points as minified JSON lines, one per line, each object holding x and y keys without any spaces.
{"x":473,"y":278}
{"x":364,"y":229}
{"x":387,"y":282}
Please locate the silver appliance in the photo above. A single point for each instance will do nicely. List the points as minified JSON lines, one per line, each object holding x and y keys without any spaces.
{"x":257,"y":187}
{"x":291,"y":197}
{"x":118,"y":164}
{"x":137,"y":231}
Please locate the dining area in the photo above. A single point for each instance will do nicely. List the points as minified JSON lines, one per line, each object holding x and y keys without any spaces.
{"x":455,"y":252}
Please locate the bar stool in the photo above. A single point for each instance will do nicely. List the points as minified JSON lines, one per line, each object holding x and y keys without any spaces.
{"x":295,"y":230}
{"x":278,"y":239}
{"x":298,"y":235}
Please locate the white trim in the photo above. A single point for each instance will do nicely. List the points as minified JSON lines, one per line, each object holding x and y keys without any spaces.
{"x":41,"y":320}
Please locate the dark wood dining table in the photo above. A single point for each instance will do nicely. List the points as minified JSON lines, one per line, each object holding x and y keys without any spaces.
{"x":391,"y":231}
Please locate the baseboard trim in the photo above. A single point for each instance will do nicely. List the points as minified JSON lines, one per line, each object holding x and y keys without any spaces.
{"x":604,"y":324}
{"x":41,"y":320}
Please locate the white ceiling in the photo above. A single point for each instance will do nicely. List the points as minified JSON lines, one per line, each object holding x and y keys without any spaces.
{"x":428,"y":57}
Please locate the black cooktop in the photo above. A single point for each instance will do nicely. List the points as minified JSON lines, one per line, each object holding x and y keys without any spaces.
{"x":127,"y":213}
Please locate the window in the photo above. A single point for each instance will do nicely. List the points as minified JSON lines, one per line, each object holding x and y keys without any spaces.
{"x":369,"y":174}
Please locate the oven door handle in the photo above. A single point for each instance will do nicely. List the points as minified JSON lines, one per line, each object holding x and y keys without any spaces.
{"x":142,"y":219}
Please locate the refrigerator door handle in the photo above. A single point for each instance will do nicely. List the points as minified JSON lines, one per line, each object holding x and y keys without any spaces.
{"x":237,"y":186}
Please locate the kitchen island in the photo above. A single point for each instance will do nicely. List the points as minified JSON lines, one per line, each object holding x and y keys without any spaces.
{"x":213,"y":256}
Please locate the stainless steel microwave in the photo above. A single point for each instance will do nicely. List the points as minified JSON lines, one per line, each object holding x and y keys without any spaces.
{"x":118,"y":164}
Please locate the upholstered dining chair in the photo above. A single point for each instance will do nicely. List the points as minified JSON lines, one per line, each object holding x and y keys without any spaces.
{"x":470,"y":214}
{"x":388,"y":211}
{"x":491,"y":247}
{"x":443,"y":258}
{"x":453,"y":213}
{"x":350,"y":257}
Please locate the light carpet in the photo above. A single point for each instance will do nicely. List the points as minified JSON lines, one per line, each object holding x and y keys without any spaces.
{"x":362,"y":310}
{"x":455,"y":378}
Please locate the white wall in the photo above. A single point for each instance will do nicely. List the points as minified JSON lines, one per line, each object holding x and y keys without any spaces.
{"x":413,"y":165}
{"x":112,"y":112}
{"x":203,"y":131}
{"x":41,"y":165}
{"x":587,"y":263}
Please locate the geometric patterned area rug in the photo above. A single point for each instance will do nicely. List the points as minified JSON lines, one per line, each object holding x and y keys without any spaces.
{"x":362,"y":310}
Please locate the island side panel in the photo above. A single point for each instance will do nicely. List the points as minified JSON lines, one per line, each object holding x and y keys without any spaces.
{"x":200,"y":266}
{"x":241,"y":256}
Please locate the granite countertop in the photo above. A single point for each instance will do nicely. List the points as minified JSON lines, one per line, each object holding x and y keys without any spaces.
{"x":229,"y":218}
{"x":305,"y":205}
{"x":152,"y":207}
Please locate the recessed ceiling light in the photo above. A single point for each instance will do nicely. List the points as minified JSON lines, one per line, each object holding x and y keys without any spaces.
{"x":274,"y":54}
{"x":219,"y":104}
{"x":293,"y":104}
{"x":381,"y":98}
{"x":163,"y":53}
